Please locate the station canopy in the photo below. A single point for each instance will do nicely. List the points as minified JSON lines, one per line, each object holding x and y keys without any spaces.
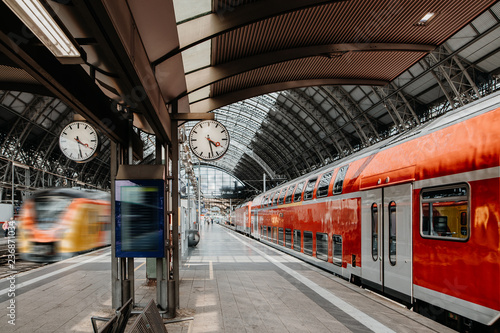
{"x":298,"y":84}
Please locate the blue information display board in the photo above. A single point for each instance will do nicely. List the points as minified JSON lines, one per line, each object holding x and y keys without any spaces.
{"x":139,"y":214}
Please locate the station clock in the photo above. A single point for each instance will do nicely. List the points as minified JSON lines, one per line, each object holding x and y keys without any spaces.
{"x":79,"y":141}
{"x":209,"y":140}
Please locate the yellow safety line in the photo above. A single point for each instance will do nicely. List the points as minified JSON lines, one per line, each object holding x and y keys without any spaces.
{"x":139,"y":266}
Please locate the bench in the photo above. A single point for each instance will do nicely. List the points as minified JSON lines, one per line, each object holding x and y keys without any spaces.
{"x":149,"y":320}
{"x":115,"y":324}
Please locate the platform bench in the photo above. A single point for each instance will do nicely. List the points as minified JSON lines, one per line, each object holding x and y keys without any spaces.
{"x":149,"y":320}
{"x":116,"y":323}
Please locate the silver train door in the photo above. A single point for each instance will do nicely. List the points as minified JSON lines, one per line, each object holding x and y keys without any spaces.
{"x":255,"y":224}
{"x":386,"y":240}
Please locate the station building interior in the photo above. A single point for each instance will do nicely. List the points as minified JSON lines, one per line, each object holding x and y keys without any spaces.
{"x":298,"y":85}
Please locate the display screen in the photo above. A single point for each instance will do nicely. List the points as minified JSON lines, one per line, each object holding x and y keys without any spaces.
{"x":139,"y":218}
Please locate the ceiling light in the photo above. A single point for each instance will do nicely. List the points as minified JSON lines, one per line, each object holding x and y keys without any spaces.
{"x":36,"y":17}
{"x":426,"y":18}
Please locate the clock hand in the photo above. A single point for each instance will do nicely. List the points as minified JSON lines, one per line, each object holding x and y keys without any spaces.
{"x":80,"y":149}
{"x":216,"y":144}
{"x":85,"y":144}
{"x":211,"y":148}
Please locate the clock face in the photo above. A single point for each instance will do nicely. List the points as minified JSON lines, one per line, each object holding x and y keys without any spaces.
{"x":79,"y":141}
{"x":209,"y":140}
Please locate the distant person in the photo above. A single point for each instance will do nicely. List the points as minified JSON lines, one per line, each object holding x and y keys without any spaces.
{"x":5,"y":227}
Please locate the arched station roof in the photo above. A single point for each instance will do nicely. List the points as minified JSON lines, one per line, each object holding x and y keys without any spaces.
{"x":298,"y":83}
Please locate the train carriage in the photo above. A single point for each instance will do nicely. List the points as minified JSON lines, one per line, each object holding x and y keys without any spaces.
{"x":415,"y":217}
{"x":59,"y":223}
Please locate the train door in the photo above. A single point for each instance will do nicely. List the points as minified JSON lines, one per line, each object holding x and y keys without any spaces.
{"x":255,"y":226}
{"x":386,"y":240}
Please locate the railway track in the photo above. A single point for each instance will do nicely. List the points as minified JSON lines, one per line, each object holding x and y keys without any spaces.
{"x":19,"y":265}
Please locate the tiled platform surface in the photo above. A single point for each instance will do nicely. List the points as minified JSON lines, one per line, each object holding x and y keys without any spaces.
{"x":229,"y":283}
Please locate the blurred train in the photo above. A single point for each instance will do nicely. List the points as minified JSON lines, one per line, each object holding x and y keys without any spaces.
{"x":59,"y":223}
{"x":415,"y":217}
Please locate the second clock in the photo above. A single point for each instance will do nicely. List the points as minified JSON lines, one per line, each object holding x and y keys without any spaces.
{"x":209,"y":140}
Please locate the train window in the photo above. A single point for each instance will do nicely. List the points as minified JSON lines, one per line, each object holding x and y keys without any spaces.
{"x":297,"y":240}
{"x":275,"y":231}
{"x":289,"y":194}
{"x":392,"y":233}
{"x":374,"y":232}
{"x":280,"y":236}
{"x":297,"y":195}
{"x":322,"y":246}
{"x":270,"y":199}
{"x":337,"y":250}
{"x":262,"y":230}
{"x":269,"y":234}
{"x":281,"y":200}
{"x":324,"y":182}
{"x":308,"y":192}
{"x":276,"y":197}
{"x":308,"y":242}
{"x":445,"y":212}
{"x":339,"y":180}
{"x":288,"y":238}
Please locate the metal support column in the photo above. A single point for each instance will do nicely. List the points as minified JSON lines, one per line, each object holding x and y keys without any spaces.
{"x":199,"y":195}
{"x":161,"y":281}
{"x":174,"y":286}
{"x":128,"y":281}
{"x":116,"y":295}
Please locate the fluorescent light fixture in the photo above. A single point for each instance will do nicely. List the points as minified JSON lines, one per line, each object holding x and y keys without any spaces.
{"x":426,"y":18}
{"x":42,"y":24}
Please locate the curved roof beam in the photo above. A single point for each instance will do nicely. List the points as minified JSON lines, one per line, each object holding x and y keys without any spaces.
{"x":206,"y":27}
{"x":223,"y":166}
{"x":261,"y":108}
{"x":333,"y":132}
{"x":256,"y":158}
{"x":213,"y":103}
{"x":206,"y":76}
{"x":305,"y":130}
{"x":316,"y":116}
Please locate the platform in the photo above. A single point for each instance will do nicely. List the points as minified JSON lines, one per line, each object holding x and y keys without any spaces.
{"x":229,"y":283}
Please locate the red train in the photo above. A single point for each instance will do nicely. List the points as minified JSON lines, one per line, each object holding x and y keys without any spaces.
{"x":415,"y":217}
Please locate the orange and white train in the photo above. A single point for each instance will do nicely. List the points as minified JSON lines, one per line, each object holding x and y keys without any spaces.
{"x":415,"y":217}
{"x":59,"y":223}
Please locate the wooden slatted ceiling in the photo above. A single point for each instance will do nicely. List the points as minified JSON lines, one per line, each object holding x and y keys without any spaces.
{"x":354,"y":21}
{"x":384,"y":66}
{"x":350,"y":21}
